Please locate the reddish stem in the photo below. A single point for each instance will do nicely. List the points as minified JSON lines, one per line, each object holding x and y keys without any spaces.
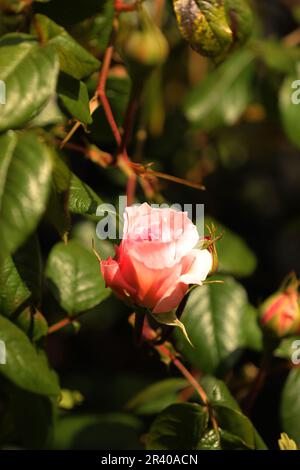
{"x":101,"y":89}
{"x":59,"y":325}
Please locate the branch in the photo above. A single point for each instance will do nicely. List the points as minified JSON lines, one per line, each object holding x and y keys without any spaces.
{"x":149,"y":335}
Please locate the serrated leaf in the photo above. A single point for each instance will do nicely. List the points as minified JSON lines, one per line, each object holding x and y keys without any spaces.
{"x":25,"y":366}
{"x":20,"y":289}
{"x":238,"y":425}
{"x":30,"y":73}
{"x":82,"y":198}
{"x":213,"y":318}
{"x":74,"y":59}
{"x":68,"y":195}
{"x":74,"y":277}
{"x":204,"y":25}
{"x":222,"y":97}
{"x":25,"y":172}
{"x":179,"y":427}
{"x":73,"y":94}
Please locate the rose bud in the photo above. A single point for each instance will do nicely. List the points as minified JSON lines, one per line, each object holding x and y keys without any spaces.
{"x":144,"y":48}
{"x":157,"y":259}
{"x":280,"y":313}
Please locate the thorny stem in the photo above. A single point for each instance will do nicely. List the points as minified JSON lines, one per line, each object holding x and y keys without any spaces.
{"x":123,"y":161}
{"x":102,"y":84}
{"x":149,"y":336}
{"x":191,"y":379}
{"x":59,"y":325}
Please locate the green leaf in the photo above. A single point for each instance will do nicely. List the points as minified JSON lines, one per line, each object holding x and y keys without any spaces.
{"x":179,"y":427}
{"x":74,"y":277}
{"x":25,"y":172}
{"x":290,"y":111}
{"x":290,"y":406}
{"x":253,"y":336}
{"x":213,"y":318}
{"x":13,"y":291}
{"x":222,"y":97}
{"x":30,"y":73}
{"x":25,"y":366}
{"x":214,"y":27}
{"x":69,"y":194}
{"x":277,"y":56}
{"x":237,"y":425}
{"x":74,"y":59}
{"x":235,"y":257}
{"x":95,"y":30}
{"x":237,"y":432}
{"x":33,"y":323}
{"x":114,"y":431}
{"x":73,"y":192}
{"x":288,"y":347}
{"x":82,"y":198}
{"x":21,"y":277}
{"x":157,"y":396}
{"x":20,"y":289}
{"x":75,"y":99}
{"x":218,"y":393}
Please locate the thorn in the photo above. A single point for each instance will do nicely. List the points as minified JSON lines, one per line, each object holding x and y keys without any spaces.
{"x":95,"y":251}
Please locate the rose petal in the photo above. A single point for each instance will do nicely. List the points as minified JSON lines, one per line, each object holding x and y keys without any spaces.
{"x":114,"y":278}
{"x":200,"y":263}
{"x":171,"y":299}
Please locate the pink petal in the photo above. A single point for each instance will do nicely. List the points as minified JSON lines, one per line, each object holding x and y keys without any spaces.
{"x":200,"y":263}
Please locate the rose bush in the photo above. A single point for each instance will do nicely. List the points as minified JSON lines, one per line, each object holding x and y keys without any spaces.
{"x":157,"y":259}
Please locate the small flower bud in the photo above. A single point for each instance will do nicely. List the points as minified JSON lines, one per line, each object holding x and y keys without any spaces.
{"x":280,"y":313}
{"x":144,"y":47}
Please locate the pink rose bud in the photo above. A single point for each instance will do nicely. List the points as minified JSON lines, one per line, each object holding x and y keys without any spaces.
{"x":157,"y":259}
{"x":280,"y":313}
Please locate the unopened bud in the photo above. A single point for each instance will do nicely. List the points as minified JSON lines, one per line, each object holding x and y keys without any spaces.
{"x":143,"y":48}
{"x":280,"y":313}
